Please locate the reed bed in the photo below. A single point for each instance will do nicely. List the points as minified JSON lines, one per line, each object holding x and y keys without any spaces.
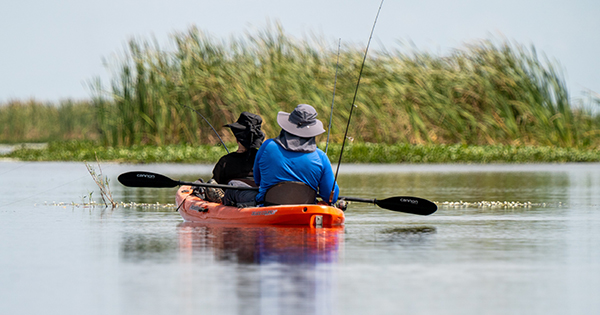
{"x":32,"y":121}
{"x":90,"y":150}
{"x":485,"y":93}
{"x":353,"y":153}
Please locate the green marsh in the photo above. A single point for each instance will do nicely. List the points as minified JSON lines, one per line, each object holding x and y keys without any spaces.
{"x":353,"y":153}
{"x":488,"y":101}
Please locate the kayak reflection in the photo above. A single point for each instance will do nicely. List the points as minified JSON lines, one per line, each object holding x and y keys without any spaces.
{"x":276,"y":270}
{"x":262,"y":244}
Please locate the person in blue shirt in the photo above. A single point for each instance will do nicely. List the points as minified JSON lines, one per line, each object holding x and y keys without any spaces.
{"x":294,"y":156}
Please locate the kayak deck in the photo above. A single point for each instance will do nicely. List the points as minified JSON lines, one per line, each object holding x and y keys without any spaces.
{"x":195,"y":209}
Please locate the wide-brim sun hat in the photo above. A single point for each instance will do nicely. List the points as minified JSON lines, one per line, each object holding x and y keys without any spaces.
{"x":301,"y":122}
{"x":246,"y":120}
{"x":247,"y":130}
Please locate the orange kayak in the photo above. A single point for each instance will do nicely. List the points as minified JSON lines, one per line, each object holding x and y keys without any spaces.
{"x":195,"y":209}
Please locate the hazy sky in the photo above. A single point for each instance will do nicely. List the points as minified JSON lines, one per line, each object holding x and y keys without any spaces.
{"x":51,"y":49}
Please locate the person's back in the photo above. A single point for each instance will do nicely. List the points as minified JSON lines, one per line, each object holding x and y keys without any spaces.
{"x":236,"y":168}
{"x":236,"y":165}
{"x":294,"y":156}
{"x":277,"y":164}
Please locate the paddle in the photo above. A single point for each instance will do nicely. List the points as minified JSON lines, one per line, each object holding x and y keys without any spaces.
{"x":153,"y":180}
{"x":413,"y":205}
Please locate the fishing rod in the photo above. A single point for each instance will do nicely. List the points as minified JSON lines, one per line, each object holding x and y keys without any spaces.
{"x":211,"y":126}
{"x":353,"y":105}
{"x":337,"y":65}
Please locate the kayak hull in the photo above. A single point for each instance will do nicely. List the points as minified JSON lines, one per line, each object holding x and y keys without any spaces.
{"x":195,"y":209}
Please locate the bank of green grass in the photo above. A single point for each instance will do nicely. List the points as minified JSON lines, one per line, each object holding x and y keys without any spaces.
{"x":353,"y":153}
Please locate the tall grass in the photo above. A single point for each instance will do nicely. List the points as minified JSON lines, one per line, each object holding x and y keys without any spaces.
{"x":32,"y":121}
{"x":485,"y":93}
{"x":262,"y":74}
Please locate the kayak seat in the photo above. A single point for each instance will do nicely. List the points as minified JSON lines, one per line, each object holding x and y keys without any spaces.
{"x":290,"y":193}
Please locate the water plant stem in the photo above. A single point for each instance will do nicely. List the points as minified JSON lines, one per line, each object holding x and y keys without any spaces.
{"x":103,"y":184}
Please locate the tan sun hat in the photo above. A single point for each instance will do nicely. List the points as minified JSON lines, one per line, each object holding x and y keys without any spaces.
{"x":301,"y":122}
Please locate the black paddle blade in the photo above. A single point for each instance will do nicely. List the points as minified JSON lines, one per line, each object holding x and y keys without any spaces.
{"x":412,"y":205}
{"x":146,"y":179}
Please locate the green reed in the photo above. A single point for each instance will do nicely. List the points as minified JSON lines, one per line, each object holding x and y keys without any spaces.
{"x":485,"y":93}
{"x":353,"y":153}
{"x":90,"y":150}
{"x":32,"y":121}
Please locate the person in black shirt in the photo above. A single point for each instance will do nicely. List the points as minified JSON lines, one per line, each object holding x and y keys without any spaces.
{"x":235,"y":168}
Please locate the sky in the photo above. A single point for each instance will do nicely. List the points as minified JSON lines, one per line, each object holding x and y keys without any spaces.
{"x":52,"y":50}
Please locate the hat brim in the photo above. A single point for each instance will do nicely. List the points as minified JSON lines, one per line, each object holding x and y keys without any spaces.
{"x":236,"y":125}
{"x":304,"y":131}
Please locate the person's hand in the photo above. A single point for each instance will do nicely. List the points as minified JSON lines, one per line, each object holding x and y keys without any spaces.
{"x":341,"y":204}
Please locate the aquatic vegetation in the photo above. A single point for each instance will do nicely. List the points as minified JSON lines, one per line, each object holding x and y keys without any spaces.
{"x":87,"y":150}
{"x":489,"y":101}
{"x":353,"y":153}
{"x":93,"y":204}
{"x":103,"y":184}
{"x":486,"y":93}
{"x":457,"y":153}
{"x":497,"y":204}
{"x":32,"y":121}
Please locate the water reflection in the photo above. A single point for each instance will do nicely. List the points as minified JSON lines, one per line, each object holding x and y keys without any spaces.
{"x":407,"y":235}
{"x":262,"y":244}
{"x":279,"y":269}
{"x":532,"y":186}
{"x":146,"y":195}
{"x":137,"y":247}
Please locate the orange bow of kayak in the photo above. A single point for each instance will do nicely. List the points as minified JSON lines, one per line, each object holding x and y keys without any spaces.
{"x":195,"y":209}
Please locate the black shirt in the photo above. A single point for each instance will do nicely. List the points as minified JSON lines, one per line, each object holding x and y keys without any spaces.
{"x":235,"y":166}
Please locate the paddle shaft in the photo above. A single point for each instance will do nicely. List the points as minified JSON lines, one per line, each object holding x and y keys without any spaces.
{"x":412,"y":205}
{"x":216,"y":185}
{"x":358,"y":199}
{"x":153,"y":180}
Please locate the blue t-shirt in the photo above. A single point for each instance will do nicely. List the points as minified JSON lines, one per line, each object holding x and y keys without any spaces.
{"x":274,"y":164}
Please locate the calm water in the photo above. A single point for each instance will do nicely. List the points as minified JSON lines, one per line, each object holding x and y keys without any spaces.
{"x":70,"y":259}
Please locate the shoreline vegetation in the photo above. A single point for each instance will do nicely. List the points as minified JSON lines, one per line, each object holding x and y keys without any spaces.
{"x":487,"y":102}
{"x":353,"y":153}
